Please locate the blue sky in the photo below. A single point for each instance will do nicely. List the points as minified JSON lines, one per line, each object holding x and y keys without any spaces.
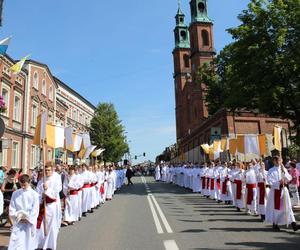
{"x":114,"y":51}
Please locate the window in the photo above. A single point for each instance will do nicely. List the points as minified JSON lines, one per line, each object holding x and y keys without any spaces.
{"x":44,"y":90}
{"x":51,"y":93}
{"x":34,"y":114}
{"x":5,"y":95}
{"x":183,"y":35}
{"x":15,"y":155}
{"x":205,"y":38}
{"x":186,"y":60}
{"x":201,"y":7}
{"x":74,"y":115}
{"x":17,"y":109}
{"x":36,"y":80}
{"x":3,"y":157}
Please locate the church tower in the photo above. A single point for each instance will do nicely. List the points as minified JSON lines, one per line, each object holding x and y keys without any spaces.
{"x":182,"y":70}
{"x":202,"y":51}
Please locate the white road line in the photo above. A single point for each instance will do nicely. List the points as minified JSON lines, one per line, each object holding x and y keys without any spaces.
{"x":170,"y":245}
{"x":155,"y":217}
{"x":162,"y":216}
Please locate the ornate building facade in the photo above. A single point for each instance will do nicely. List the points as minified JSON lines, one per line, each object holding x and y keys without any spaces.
{"x":26,"y":95}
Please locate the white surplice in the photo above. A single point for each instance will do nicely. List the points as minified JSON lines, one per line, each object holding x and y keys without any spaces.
{"x":24,"y":204}
{"x":284,"y":215}
{"x":50,"y":240}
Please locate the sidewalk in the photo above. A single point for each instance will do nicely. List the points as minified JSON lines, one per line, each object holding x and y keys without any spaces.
{"x":4,"y":237}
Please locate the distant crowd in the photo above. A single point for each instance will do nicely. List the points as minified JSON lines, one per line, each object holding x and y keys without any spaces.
{"x":270,"y":194}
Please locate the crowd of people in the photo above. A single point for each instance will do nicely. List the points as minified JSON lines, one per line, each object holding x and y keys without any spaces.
{"x":40,"y":205}
{"x":269,"y":194}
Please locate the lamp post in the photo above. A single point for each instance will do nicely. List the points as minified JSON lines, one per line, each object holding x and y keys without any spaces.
{"x":1,"y":11}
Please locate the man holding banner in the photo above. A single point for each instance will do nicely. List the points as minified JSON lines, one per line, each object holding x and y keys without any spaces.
{"x":279,"y":209}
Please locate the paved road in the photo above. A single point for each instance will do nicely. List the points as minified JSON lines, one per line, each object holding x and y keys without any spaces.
{"x":163,"y":216}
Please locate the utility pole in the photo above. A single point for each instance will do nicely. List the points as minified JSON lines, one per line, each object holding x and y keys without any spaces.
{"x":1,"y":11}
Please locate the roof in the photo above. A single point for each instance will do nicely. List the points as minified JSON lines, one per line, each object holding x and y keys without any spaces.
{"x":41,"y":65}
{"x":64,"y":85}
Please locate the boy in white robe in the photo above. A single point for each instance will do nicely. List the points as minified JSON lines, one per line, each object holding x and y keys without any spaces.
{"x":251,"y":190}
{"x":110,"y":185}
{"x":23,"y":210}
{"x":72,"y":206}
{"x":48,"y":191}
{"x":157,"y":173}
{"x":262,"y":190}
{"x":279,"y":208}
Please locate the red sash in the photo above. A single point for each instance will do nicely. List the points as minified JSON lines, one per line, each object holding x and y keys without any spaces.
{"x":238,"y":189}
{"x":203,"y":182}
{"x":212,"y":184}
{"x":102,"y":189}
{"x":250,"y":193}
{"x":73,"y":192}
{"x":277,"y":195}
{"x":207,"y":183}
{"x":42,"y":211}
{"x":218,"y":184}
{"x":224,"y":186}
{"x":262,"y":193}
{"x":86,"y":185}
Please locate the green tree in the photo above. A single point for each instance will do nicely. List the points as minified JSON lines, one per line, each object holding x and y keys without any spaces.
{"x":107,"y":132}
{"x":261,"y":68}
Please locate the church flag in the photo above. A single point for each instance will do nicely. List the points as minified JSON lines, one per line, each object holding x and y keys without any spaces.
{"x":16,"y":68}
{"x":277,"y":138}
{"x":55,"y":136}
{"x":4,"y":45}
{"x":40,"y":129}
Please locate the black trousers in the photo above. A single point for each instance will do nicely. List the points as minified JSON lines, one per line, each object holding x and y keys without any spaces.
{"x":129,"y":181}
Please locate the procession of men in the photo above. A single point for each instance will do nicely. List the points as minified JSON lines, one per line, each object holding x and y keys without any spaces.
{"x":61,"y":198}
{"x":270,"y":194}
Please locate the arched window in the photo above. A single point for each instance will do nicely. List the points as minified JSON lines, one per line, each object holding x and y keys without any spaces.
{"x":201,"y":7}
{"x":205,"y":38}
{"x":44,"y":91}
{"x":36,"y":80}
{"x":186,"y":60}
{"x":51,"y":93}
{"x":183,"y":35}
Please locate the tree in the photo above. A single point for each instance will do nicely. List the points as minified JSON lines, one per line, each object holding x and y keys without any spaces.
{"x":261,"y":68}
{"x":107,"y":132}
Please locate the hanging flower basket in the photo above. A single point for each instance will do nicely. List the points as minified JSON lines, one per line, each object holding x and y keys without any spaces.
{"x":2,"y":105}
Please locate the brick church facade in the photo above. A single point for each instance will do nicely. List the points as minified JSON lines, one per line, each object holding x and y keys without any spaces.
{"x":194,"y":46}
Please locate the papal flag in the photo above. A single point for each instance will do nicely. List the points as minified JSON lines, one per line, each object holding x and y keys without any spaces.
{"x":76,"y":143}
{"x":277,"y":138}
{"x":4,"y":45}
{"x":98,"y":152}
{"x":40,"y":129}
{"x":55,"y":136}
{"x":16,"y":68}
{"x":205,"y":148}
{"x":88,"y":151}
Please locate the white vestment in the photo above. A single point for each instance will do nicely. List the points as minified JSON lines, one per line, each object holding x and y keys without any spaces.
{"x":283,"y":214}
{"x":50,"y":240}
{"x":24,"y":204}
{"x":71,"y":209}
{"x":157,"y":173}
{"x":110,"y":186}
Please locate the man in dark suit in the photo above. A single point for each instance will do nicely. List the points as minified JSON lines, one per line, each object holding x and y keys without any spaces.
{"x":129,"y":174}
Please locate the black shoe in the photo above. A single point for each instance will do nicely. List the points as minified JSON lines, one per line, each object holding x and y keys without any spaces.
{"x":238,"y":209}
{"x":276,"y":228}
{"x":294,"y":226}
{"x":84,"y":214}
{"x":79,"y":219}
{"x":262,"y":217}
{"x":219,"y":201}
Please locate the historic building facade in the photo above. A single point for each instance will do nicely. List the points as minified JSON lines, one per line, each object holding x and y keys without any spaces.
{"x":26,"y":95}
{"x":194,"y":46}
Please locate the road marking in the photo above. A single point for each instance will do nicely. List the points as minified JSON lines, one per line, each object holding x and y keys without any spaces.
{"x":170,"y":245}
{"x":155,"y":217}
{"x":162,"y":216}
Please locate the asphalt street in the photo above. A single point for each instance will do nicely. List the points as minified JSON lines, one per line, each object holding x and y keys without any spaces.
{"x":155,"y":216}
